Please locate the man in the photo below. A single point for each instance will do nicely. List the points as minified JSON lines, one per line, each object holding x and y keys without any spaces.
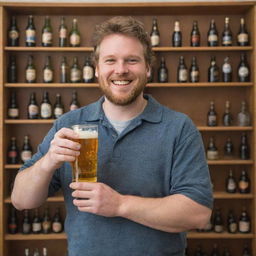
{"x":153,"y":181}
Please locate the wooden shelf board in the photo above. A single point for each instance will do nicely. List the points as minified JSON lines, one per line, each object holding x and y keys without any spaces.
{"x":225,"y":195}
{"x":14,"y":237}
{"x":52,"y":85}
{"x":230,"y":162}
{"x":53,"y":199}
{"x":225,"y":128}
{"x":28,"y":121}
{"x":224,"y":235}
{"x":48,"y":49}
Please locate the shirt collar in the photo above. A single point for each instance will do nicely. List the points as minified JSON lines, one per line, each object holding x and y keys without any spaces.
{"x":152,"y":112}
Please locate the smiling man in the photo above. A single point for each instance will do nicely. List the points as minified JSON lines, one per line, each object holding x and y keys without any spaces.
{"x":153,"y":180}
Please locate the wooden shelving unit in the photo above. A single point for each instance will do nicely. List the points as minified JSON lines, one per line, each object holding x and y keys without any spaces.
{"x":190,"y":98}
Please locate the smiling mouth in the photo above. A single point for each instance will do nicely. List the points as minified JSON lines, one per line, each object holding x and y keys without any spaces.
{"x":121,"y":82}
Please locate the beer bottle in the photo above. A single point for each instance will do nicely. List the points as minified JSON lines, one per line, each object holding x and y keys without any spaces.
{"x":182,"y":72}
{"x":26,"y":252}
{"x":74,"y":36}
{"x":33,"y":109}
{"x":194,"y":71}
{"x":13,"y":109}
{"x":45,"y":253}
{"x":74,"y":102}
{"x":46,"y":107}
{"x":75,"y":72}
{"x":244,"y":224}
{"x":26,"y":223}
{"x":46,"y":223}
{"x":47,"y":35}
{"x":243,"y":117}
{"x":12,"y":70}
{"x":232,"y":223}
{"x":26,"y":152}
{"x":212,"y":151}
{"x":88,"y":71}
{"x":30,"y":70}
{"x":177,"y":35}
{"x":57,"y":222}
{"x":226,"y":252}
{"x":218,"y":221}
{"x":230,"y":183}
{"x":227,"y":118}
{"x":13,"y":33}
{"x":64,"y":69}
{"x":244,"y":184}
{"x":213,"y":71}
{"x":30,"y":32}
{"x":13,"y":221}
{"x":36,"y":252}
{"x":212,"y":115}
{"x":195,"y":35}
{"x":36,"y":223}
{"x":58,"y":109}
{"x":48,"y":71}
{"x":243,"y":69}
{"x":162,"y":72}
{"x":244,"y":149}
{"x":242,"y":36}
{"x":226,"y":71}
{"x":151,"y":77}
{"x":155,"y":35}
{"x":246,"y":251}
{"x":13,"y":152}
{"x":227,"y":37}
{"x":215,"y":250}
{"x":229,"y":148}
{"x":213,"y":37}
{"x":63,"y":33}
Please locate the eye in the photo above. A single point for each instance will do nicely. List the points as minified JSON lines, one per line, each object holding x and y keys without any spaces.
{"x":132,"y":60}
{"x":109,"y":61}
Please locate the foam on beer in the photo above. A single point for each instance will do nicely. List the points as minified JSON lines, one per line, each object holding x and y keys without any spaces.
{"x":86,"y":134}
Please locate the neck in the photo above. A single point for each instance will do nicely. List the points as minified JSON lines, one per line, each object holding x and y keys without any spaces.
{"x":124,"y":113}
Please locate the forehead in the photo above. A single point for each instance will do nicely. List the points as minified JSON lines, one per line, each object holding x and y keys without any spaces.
{"x":120,"y":45}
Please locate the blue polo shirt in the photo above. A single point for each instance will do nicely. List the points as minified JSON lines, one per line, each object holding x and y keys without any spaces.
{"x":159,"y":153}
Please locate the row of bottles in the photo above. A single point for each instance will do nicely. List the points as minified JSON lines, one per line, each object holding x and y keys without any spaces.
{"x":192,"y":74}
{"x":232,"y":225}
{"x":73,"y":74}
{"x":213,"y":38}
{"x":216,"y":251}
{"x":36,"y":224}
{"x":35,"y":252}
{"x":243,"y":118}
{"x":44,"y":110}
{"x":212,"y":152}
{"x":73,"y":38}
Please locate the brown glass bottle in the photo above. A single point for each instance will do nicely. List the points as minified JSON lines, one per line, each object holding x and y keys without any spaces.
{"x":226,"y":71}
{"x":218,"y":225}
{"x":231,"y":222}
{"x":227,"y":118}
{"x":182,"y":71}
{"x":57,"y":226}
{"x":213,"y":71}
{"x":13,"y":33}
{"x":194,"y":74}
{"x":13,"y":221}
{"x":212,"y":115}
{"x":30,"y":39}
{"x":12,"y":70}
{"x":162,"y":72}
{"x":13,"y":109}
{"x":48,"y":71}
{"x":155,"y":34}
{"x":47,"y":34}
{"x":46,"y":107}
{"x":229,"y":148}
{"x":26,"y":223}
{"x":46,"y":221}
{"x":244,"y":149}
{"x":177,"y":35}
{"x":212,"y":152}
{"x":231,"y":184}
{"x":74,"y":36}
{"x":63,"y":33}
{"x":212,"y":35}
{"x":244,"y":184}
{"x":36,"y":223}
{"x":64,"y":71}
{"x":242,"y":35}
{"x":195,"y":35}
{"x":33,"y":109}
{"x":13,"y":152}
{"x":74,"y":104}
{"x":30,"y":70}
{"x":26,"y":152}
{"x":88,"y":71}
{"x":58,"y":109}
{"x":244,"y":224}
{"x":75,"y":72}
{"x":227,"y":37}
{"x":243,"y":71}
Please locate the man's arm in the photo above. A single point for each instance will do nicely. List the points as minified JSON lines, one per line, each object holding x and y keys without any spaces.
{"x":174,"y":213}
{"x":31,"y":185}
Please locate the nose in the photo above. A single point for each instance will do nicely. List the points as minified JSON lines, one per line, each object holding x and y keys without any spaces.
{"x":121,"y":68}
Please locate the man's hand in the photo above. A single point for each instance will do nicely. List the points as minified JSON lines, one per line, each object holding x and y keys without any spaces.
{"x":97,"y":198}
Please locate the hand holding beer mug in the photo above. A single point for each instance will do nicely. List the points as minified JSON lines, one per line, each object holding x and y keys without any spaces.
{"x":84,"y":168}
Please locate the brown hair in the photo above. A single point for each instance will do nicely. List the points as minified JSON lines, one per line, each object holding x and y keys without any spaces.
{"x":126,"y":26}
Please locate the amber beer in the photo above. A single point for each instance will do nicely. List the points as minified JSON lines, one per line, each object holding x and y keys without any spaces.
{"x":85,"y":165}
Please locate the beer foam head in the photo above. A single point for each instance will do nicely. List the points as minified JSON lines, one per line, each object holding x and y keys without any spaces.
{"x":85,"y":133}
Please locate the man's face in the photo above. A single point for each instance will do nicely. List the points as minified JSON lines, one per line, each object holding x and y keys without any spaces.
{"x":121,"y":70}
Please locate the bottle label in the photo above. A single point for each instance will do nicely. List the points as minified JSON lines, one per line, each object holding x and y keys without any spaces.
{"x":58,"y":112}
{"x":30,"y":36}
{"x":243,"y":38}
{"x":13,"y":112}
{"x":244,"y":226}
{"x":30,"y":74}
{"x":36,"y":227}
{"x":243,"y":120}
{"x":26,"y":228}
{"x":33,"y":110}
{"x":233,"y":227}
{"x":218,"y":228}
{"x":243,"y":72}
{"x":226,"y":40}
{"x":46,"y":225}
{"x":73,"y":107}
{"x":13,"y":34}
{"x":212,"y":38}
{"x":163,"y":76}
{"x":75,"y":75}
{"x":48,"y":75}
{"x":194,"y":75}
{"x":195,"y":39}
{"x":74,"y":39}
{"x":231,"y":185}
{"x":88,"y":73}
{"x":12,"y":154}
{"x":155,"y":40}
{"x":243,"y":185}
{"x":183,"y":75}
{"x":26,"y":155}
{"x":56,"y":227}
{"x":47,"y":37}
{"x":212,"y":120}
{"x":212,"y":155}
{"x":226,"y":68}
{"x":46,"y":110}
{"x":63,"y":33}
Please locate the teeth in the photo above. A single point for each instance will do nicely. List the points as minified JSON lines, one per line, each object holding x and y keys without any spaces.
{"x":121,"y":82}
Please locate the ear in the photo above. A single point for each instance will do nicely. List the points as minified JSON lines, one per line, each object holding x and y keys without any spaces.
{"x":96,"y":71}
{"x":148,"y":71}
